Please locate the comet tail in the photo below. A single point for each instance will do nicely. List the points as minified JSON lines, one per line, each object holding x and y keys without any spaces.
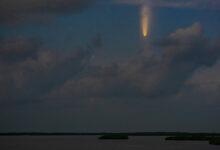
{"x":144,"y":20}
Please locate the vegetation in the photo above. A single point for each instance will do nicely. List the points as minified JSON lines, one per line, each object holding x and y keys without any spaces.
{"x":171,"y":134}
{"x":214,"y":141}
{"x":114,"y":137}
{"x":188,"y":138}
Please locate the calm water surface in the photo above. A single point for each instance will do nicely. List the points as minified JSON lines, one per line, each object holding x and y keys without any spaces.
{"x":92,"y":143}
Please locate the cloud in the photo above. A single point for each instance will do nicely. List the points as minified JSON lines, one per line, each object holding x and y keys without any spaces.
{"x":28,"y":71}
{"x":190,"y":46}
{"x":147,"y":76}
{"x":16,"y":49}
{"x":201,"y":4}
{"x":206,"y":81}
{"x":150,"y":75}
{"x":201,"y":89}
{"x":13,"y":10}
{"x":173,"y":76}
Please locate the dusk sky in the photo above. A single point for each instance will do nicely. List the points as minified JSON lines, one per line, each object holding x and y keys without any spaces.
{"x":109,"y":65}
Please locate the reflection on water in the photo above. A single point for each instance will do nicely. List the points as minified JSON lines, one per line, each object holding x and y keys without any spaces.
{"x":92,"y":143}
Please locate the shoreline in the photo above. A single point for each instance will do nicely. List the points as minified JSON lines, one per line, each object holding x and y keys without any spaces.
{"x":103,"y":133}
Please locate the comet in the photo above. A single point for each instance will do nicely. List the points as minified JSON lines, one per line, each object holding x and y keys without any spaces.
{"x":144,"y":18}
{"x":145,"y":14}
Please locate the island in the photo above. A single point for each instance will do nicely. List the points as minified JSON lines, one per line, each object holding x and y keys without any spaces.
{"x":214,"y":141}
{"x":114,"y":137}
{"x":211,"y":138}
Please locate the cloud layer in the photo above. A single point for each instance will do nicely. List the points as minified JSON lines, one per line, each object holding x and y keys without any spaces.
{"x":29,"y":71}
{"x":13,"y":10}
{"x":173,"y":77}
{"x":201,"y":4}
{"x":182,"y":53}
{"x":186,"y":59}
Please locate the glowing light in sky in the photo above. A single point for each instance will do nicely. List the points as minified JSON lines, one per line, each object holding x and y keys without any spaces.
{"x":145,"y":20}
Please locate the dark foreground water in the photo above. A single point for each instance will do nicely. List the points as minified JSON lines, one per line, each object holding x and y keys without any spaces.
{"x":92,"y":143}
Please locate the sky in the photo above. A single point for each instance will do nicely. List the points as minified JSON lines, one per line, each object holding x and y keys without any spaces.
{"x":109,"y":65}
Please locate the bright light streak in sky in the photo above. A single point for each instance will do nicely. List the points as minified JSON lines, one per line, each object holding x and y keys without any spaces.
{"x":145,"y":20}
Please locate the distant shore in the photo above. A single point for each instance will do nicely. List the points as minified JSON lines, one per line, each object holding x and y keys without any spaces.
{"x":212,"y":139}
{"x":102,"y":133}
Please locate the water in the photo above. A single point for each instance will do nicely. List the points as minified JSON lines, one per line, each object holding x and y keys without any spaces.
{"x":92,"y":143}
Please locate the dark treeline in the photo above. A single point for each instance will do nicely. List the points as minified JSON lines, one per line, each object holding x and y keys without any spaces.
{"x":103,"y":133}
